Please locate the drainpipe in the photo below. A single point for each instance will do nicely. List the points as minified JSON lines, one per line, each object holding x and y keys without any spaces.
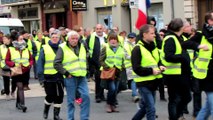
{"x":172,"y":9}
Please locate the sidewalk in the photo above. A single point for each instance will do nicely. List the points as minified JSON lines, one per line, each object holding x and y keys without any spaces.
{"x":38,"y":91}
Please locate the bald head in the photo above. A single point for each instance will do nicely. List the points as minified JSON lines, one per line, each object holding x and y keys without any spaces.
{"x":99,"y":30}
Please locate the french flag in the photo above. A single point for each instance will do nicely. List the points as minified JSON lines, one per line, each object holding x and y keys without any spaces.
{"x":142,"y":13}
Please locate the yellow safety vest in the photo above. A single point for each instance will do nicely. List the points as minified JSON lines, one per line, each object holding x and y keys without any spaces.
{"x":121,"y":40}
{"x":30,"y":46}
{"x":75,"y":65}
{"x":38,"y":46}
{"x":92,"y":43}
{"x":49,"y":55}
{"x":149,"y":60}
{"x":20,"y":58}
{"x":202,"y":61}
{"x":47,"y":39}
{"x":171,"y":68}
{"x":191,"y":53}
{"x":114,"y":59}
{"x":128,"y":47}
{"x":3,"y":55}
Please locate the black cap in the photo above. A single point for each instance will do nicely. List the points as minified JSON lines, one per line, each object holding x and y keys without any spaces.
{"x":131,"y":35}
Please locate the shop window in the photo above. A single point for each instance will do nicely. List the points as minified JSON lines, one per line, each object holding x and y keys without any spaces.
{"x":28,"y":13}
{"x":156,"y":10}
{"x":104,"y":16}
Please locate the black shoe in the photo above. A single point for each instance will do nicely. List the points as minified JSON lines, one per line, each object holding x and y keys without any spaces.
{"x":46,"y":111}
{"x":103,"y":99}
{"x":2,"y":92}
{"x":163,"y":99}
{"x":98,"y":100}
{"x":21,"y":107}
{"x":185,"y":111}
{"x":18,"y":106}
{"x":56,"y":113}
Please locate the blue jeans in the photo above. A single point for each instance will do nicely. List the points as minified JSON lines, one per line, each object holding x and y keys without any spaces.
{"x":147,"y":105}
{"x":134,"y":88}
{"x":112,"y":91}
{"x":72,"y":85}
{"x":207,"y":109}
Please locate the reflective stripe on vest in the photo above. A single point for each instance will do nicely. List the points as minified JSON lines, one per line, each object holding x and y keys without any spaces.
{"x":3,"y":55}
{"x":75,"y":65}
{"x":49,"y":55}
{"x":128,"y":47}
{"x":149,"y":60}
{"x":202,"y":62}
{"x":17,"y":58}
{"x":172,"y":68}
{"x":114,"y":58}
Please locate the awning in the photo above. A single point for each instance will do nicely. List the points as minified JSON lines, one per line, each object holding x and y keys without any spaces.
{"x":21,"y":3}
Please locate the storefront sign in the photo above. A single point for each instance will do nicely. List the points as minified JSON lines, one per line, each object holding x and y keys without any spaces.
{"x":79,"y":5}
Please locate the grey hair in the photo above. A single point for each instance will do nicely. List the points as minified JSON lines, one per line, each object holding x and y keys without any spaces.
{"x":71,"y":33}
{"x":57,"y":32}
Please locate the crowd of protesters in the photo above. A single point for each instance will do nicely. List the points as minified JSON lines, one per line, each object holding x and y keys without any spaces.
{"x":177,"y":56}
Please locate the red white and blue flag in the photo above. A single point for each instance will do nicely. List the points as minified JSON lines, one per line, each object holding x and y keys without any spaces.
{"x":142,"y":12}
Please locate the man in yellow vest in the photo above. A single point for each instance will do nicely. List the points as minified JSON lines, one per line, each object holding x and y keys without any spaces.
{"x":145,"y":58}
{"x":203,"y":66}
{"x":52,"y":80}
{"x":96,"y":41}
{"x":128,"y":46}
{"x":71,"y":61}
{"x":177,"y":75}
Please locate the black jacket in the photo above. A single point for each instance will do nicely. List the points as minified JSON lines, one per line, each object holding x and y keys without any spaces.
{"x":96,"y":52}
{"x":183,"y":58}
{"x":143,"y":71}
{"x":207,"y":83}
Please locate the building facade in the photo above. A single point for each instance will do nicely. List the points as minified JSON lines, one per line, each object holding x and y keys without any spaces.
{"x":116,"y":13}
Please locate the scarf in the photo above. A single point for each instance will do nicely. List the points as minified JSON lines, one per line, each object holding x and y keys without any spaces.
{"x":209,"y":27}
{"x":19,"y":45}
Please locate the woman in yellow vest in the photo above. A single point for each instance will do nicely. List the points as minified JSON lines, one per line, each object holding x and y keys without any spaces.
{"x":19,"y":55}
{"x":112,"y":56}
{"x":145,"y":59}
{"x":3,"y":51}
{"x":51,"y":79}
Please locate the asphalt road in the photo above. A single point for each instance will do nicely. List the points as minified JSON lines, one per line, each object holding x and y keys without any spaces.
{"x":35,"y":103}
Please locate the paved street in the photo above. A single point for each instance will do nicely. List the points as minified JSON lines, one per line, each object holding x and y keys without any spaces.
{"x":35,"y":98}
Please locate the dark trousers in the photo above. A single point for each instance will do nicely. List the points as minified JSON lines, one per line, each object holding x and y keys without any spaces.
{"x":54,"y":92}
{"x":161,"y":89}
{"x":7,"y":85}
{"x":35,"y":70}
{"x":179,"y":95}
{"x":99,"y":91}
{"x":197,"y":101}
